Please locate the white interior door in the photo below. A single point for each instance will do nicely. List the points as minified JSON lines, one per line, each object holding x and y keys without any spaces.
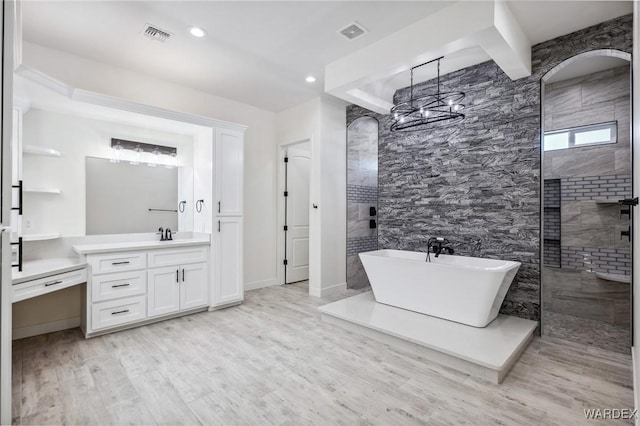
{"x":297,"y":234}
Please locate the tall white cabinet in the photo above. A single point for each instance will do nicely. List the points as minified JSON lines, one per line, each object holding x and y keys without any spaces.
{"x":228,"y":183}
{"x":222,"y":216}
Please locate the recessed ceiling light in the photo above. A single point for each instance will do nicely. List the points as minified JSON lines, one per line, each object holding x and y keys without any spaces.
{"x":197,"y":32}
{"x":310,"y":79}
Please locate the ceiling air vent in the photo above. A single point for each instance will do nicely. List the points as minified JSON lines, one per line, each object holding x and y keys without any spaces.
{"x":353,"y":31}
{"x":155,"y":33}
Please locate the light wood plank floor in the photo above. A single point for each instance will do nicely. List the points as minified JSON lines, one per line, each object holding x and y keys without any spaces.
{"x":273,"y":361}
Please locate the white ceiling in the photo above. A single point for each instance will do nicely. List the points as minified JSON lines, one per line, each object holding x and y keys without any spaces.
{"x":259,"y":52}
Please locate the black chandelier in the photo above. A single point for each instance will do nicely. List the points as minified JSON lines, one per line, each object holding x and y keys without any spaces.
{"x":429,"y":110}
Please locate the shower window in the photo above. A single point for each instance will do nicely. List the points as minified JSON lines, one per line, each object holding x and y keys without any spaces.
{"x":596,"y":134}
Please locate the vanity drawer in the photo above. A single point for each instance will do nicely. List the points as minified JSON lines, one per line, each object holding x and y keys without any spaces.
{"x":181,"y":256}
{"x":120,"y":284}
{"x":117,"y":312}
{"x":29,"y":289}
{"x":116,"y":262}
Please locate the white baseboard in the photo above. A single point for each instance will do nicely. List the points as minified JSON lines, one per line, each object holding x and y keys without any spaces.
{"x":47,"y":327}
{"x":328,"y":291}
{"x":259,"y":284}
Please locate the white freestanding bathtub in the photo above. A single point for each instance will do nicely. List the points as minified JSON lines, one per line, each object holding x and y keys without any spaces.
{"x":468,"y":290}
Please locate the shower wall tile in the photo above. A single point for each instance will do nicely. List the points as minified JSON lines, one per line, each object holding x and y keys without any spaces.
{"x":552,"y":253}
{"x":356,"y":275}
{"x":362,"y":194}
{"x":552,"y":222}
{"x":560,"y":100}
{"x":552,"y":225}
{"x":608,"y":89}
{"x":592,"y":213}
{"x":552,"y":192}
{"x":580,"y":293}
{"x":594,"y":99}
{"x":596,"y":187}
{"x":570,"y":212}
{"x":591,"y":114}
{"x":480,"y":179}
{"x":358,"y":221}
{"x":361,"y":245}
{"x":610,"y":260}
{"x":588,"y":235}
{"x":594,"y":161}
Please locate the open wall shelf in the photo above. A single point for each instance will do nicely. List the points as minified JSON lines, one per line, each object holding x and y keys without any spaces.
{"x":39,"y":150}
{"x":40,"y":237}
{"x":43,"y":190}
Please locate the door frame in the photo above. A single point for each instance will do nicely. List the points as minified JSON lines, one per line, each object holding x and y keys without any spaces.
{"x":280,"y":208}
{"x":9,"y":21}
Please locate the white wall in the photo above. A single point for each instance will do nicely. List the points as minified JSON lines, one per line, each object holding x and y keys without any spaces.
{"x":260,"y":137}
{"x":333,"y":172}
{"x":323,"y":122}
{"x":76,"y":138}
{"x":297,"y":124}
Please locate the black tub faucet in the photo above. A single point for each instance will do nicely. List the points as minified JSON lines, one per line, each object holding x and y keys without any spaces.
{"x":438,"y":246}
{"x":161,"y":232}
{"x":167,"y":235}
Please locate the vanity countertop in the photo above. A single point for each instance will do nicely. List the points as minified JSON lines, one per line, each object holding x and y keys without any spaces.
{"x":139,"y":245}
{"x":34,"y":269}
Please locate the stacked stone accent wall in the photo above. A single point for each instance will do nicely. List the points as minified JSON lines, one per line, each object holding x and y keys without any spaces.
{"x":480,"y":178}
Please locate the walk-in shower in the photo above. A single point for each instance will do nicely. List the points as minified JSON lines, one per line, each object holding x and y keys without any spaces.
{"x":586,"y":168}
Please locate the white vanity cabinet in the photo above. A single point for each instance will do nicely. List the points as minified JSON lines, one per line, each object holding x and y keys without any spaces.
{"x":229,"y":155}
{"x":228,"y":280}
{"x":135,"y":287}
{"x":179,"y":286}
{"x":227,"y":232}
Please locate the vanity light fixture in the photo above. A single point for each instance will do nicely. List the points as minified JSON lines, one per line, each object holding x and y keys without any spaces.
{"x":153,"y":157}
{"x":197,"y":32}
{"x":173,"y":161}
{"x":154,"y":151}
{"x":136,"y":157}
{"x":429,"y":110}
{"x":117,"y":152}
{"x":310,"y":79}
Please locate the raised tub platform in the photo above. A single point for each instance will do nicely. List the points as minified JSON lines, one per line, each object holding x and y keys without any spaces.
{"x":488,"y":353}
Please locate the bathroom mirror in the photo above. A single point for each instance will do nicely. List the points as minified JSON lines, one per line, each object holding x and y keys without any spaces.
{"x":125,"y":198}
{"x":586,"y":169}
